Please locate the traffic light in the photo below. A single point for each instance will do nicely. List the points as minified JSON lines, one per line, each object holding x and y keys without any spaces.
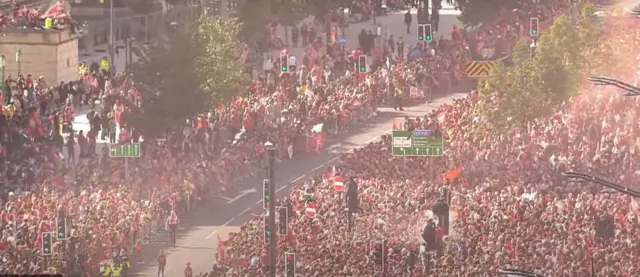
{"x":284,"y":63}
{"x":290,"y":264}
{"x":283,"y":220}
{"x":420,"y":32}
{"x":378,"y":256}
{"x":428,"y":32}
{"x":266,"y":195}
{"x":362,"y":63}
{"x":47,"y":243}
{"x":61,"y":226}
{"x":533,"y":23}
{"x":267,"y":231}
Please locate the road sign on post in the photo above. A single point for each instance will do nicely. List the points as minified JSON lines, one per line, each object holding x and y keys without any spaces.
{"x":310,"y":210}
{"x":129,"y":150}
{"x":417,"y":143}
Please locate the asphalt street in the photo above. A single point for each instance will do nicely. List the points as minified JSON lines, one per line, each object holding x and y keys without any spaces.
{"x":197,"y":241}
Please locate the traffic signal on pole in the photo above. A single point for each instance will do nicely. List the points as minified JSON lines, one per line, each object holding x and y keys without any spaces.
{"x":266,"y":195}
{"x":420,"y":32}
{"x":362,"y":63}
{"x":290,"y":264}
{"x":378,"y":256}
{"x":533,"y":23}
{"x":284,"y":63}
{"x":267,"y":230}
{"x":47,"y":243}
{"x":61,"y":227}
{"x":283,"y":220}
{"x":428,"y":32}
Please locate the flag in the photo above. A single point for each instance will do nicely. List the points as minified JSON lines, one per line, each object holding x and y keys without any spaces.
{"x":453,"y":174}
{"x":317,"y":128}
{"x":55,"y":11}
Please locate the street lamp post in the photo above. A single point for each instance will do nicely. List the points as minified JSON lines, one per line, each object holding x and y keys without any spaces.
{"x":111,"y":39}
{"x":2,"y":82}
{"x":18,"y":60}
{"x":271,"y":155}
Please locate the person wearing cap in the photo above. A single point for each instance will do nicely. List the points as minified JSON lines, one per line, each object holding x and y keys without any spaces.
{"x":188,"y":272}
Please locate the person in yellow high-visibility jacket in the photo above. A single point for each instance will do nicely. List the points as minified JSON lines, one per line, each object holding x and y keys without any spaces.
{"x":82,"y":69}
{"x":104,"y":65}
{"x":48,"y":23}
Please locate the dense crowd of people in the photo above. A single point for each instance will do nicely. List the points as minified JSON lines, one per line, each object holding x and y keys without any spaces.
{"x":52,"y":171}
{"x":511,"y":208}
{"x":509,"y":184}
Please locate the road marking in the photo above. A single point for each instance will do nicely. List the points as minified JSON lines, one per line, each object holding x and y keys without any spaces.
{"x":223,"y":225}
{"x":259,"y":201}
{"x":245,"y":211}
{"x":211,"y":235}
{"x":281,"y":188}
{"x":229,"y":221}
{"x":297,"y":179}
{"x":318,"y":167}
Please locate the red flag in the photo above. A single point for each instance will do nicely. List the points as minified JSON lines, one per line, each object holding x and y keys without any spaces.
{"x":56,"y":10}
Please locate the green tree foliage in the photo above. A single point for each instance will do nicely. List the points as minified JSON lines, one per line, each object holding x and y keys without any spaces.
{"x":546,"y":76}
{"x":192,"y":71}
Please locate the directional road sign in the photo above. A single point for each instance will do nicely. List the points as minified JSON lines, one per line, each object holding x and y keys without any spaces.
{"x":129,"y":150}
{"x":342,"y":40}
{"x":417,"y":143}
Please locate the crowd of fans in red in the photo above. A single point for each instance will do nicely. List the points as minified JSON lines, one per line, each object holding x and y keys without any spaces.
{"x":214,"y":152}
{"x":109,"y":216}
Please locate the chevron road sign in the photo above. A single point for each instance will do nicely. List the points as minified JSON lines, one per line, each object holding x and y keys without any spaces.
{"x":479,"y":69}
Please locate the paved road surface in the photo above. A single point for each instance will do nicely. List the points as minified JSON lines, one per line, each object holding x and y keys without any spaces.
{"x":197,"y":244}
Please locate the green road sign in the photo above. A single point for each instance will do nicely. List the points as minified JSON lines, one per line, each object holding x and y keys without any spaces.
{"x":417,"y":143}
{"x":129,"y":150}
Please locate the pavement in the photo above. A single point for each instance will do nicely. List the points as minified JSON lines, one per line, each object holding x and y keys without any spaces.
{"x":224,"y":214}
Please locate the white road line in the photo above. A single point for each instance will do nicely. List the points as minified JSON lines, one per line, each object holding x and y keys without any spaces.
{"x":229,"y":221}
{"x":211,"y":235}
{"x":318,"y":167}
{"x":298,"y":179}
{"x":245,"y":211}
{"x":281,"y":188}
{"x":259,"y":201}
{"x":216,"y":231}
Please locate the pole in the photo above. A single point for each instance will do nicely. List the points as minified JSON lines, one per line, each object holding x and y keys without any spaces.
{"x":19,"y":60}
{"x":126,"y":168}
{"x":2,"y":82}
{"x":111,"y":42}
{"x":271,"y":150}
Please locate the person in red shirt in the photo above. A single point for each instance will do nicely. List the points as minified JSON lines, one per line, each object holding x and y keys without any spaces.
{"x":162,"y":261}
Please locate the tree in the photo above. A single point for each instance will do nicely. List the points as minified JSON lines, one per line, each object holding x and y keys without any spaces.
{"x":218,"y":67}
{"x":546,"y":76}
{"x":193,"y":70}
